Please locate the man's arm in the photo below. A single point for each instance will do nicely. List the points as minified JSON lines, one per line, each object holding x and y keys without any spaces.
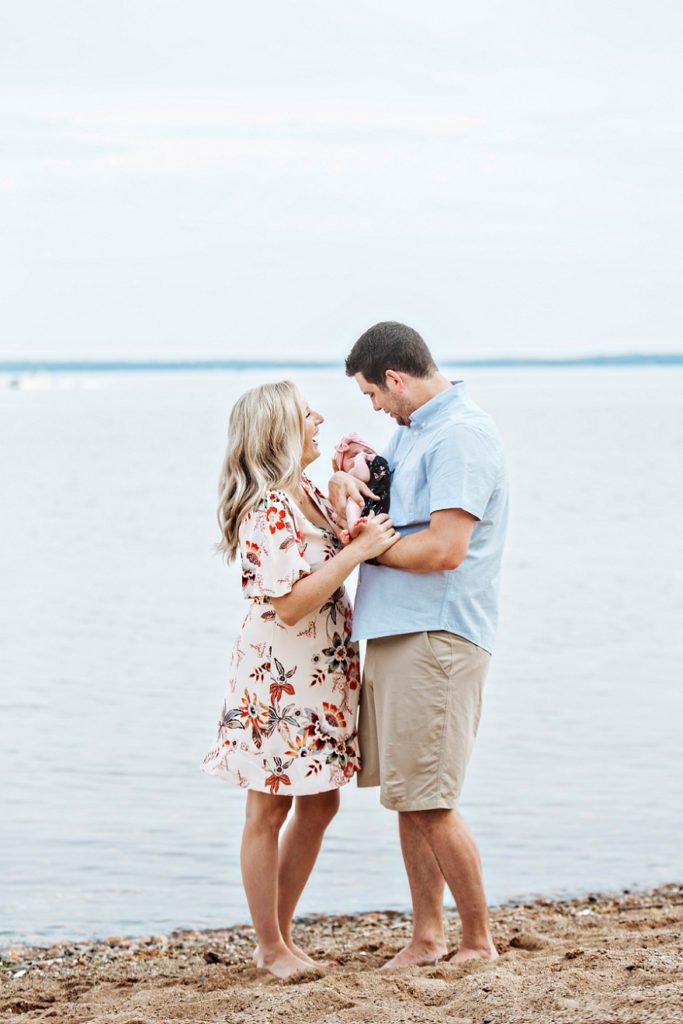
{"x":443,"y":545}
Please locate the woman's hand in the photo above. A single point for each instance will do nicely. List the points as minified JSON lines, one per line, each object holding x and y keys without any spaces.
{"x":344,"y":487}
{"x":376,"y":535}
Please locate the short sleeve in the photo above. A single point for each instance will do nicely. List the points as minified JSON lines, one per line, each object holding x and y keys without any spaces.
{"x":271,"y":549}
{"x":464,"y":469}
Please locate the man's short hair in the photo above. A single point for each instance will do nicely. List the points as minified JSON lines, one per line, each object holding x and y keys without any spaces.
{"x":389,"y":346}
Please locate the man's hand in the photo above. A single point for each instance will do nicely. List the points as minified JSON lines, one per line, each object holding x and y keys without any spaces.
{"x":342,"y":488}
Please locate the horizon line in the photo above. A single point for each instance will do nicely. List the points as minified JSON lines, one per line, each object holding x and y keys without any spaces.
{"x":172,"y":365}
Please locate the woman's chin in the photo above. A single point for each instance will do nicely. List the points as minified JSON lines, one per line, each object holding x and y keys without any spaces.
{"x":309,"y":457}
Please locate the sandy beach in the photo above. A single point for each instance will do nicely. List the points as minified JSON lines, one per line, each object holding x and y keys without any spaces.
{"x":606,"y":957}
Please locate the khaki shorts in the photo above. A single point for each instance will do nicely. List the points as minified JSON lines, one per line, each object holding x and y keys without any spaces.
{"x":419,"y":712}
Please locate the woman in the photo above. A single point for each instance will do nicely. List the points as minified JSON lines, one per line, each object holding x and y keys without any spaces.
{"x":287,"y":731}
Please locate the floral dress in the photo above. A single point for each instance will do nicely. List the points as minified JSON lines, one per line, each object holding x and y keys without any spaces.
{"x":288,"y":723}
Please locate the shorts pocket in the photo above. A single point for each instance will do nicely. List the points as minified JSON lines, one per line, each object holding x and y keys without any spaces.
{"x":440,"y":643}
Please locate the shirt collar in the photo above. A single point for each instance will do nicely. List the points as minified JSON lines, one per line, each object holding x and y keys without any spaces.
{"x":435,"y":406}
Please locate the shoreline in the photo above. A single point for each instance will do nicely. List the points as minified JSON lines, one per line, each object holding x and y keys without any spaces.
{"x":615,"y":956}
{"x":66,"y":940}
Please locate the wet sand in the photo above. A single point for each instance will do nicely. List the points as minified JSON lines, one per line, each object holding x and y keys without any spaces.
{"x":603,"y":958}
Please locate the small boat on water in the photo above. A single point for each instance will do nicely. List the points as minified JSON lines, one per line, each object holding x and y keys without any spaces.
{"x":42,"y":381}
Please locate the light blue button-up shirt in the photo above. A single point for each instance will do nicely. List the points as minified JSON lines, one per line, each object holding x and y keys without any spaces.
{"x":450,"y":456}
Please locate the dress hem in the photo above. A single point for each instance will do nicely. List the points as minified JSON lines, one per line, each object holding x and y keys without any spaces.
{"x":233,"y":780}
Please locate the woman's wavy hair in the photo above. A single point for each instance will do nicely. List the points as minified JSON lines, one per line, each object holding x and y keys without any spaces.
{"x":264,"y":453}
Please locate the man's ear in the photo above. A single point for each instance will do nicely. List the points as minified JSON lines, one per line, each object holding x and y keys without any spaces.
{"x":394,"y":380}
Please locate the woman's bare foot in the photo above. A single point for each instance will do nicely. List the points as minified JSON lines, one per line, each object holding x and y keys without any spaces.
{"x":417,"y":954}
{"x":479,"y":953}
{"x":297,"y":951}
{"x":301,"y":955}
{"x":281,"y":962}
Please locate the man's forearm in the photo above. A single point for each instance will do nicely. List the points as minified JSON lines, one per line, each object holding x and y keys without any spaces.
{"x":417,"y":552}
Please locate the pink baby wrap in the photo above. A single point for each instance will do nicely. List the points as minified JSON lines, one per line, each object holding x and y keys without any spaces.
{"x":353,"y":455}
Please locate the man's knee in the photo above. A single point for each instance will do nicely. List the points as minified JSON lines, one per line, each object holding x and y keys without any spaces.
{"x":428,"y":821}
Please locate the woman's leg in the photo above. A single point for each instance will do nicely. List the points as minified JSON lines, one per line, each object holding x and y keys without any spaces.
{"x":259,"y":857}
{"x":299,"y":850}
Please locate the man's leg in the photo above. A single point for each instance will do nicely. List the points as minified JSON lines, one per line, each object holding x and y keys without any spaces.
{"x":456,"y":695}
{"x":428,"y":941}
{"x":441,"y":679}
{"x":455,"y":851}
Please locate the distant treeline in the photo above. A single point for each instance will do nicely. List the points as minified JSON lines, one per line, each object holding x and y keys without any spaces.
{"x":147,"y":366}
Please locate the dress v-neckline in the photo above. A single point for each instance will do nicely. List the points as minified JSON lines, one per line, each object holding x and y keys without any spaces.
{"x":309,"y":491}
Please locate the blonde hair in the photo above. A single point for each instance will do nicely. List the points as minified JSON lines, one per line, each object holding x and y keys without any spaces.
{"x":264,"y":453}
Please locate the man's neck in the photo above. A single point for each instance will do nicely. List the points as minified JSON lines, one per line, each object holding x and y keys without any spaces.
{"x":427,"y":388}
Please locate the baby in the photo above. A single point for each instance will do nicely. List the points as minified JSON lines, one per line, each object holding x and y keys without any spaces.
{"x":353,"y":455}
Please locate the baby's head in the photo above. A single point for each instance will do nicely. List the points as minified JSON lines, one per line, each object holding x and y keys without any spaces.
{"x":352,"y":455}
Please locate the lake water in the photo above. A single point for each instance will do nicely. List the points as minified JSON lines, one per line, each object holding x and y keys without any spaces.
{"x":117,"y":621}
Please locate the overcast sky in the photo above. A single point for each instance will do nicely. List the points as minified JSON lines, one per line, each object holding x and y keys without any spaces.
{"x":205,"y":178}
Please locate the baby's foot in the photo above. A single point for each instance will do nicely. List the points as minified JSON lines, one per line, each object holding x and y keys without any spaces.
{"x":358,"y":526}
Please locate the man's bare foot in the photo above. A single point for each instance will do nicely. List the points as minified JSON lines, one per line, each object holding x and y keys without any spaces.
{"x":418,"y":954}
{"x":281,"y":963}
{"x":477,"y":953}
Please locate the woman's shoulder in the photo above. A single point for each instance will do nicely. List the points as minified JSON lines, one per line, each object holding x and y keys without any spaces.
{"x":273,"y":510}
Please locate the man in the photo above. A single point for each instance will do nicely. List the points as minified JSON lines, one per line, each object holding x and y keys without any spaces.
{"x":428,"y":610}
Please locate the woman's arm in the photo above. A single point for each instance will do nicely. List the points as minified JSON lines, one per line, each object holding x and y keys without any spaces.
{"x":310,"y":593}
